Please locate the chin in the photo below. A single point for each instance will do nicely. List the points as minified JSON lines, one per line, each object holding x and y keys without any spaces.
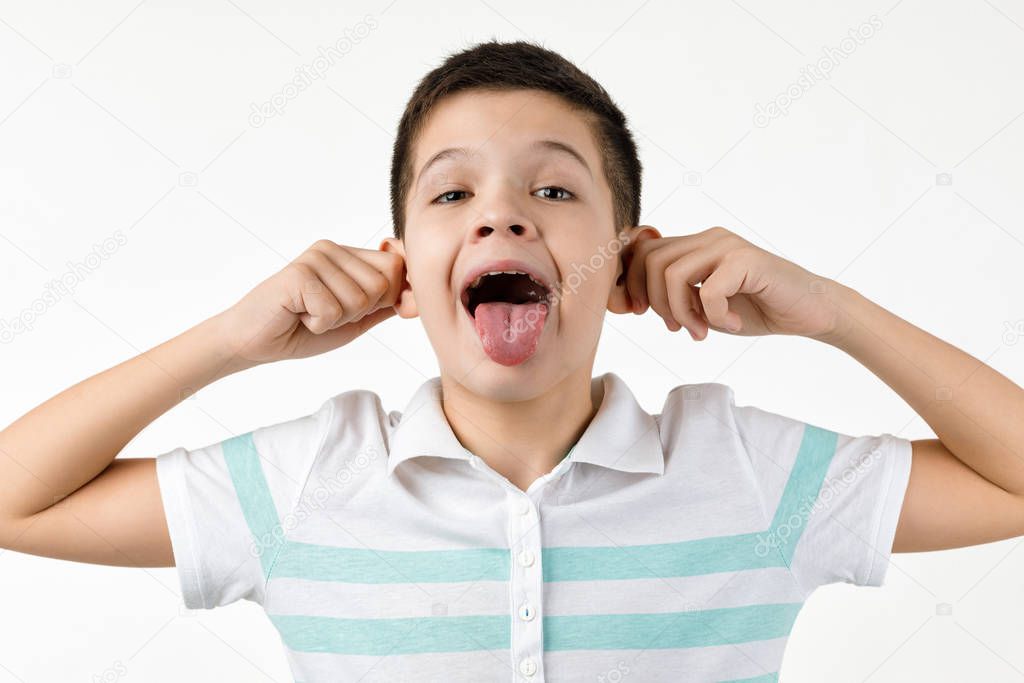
{"x":497,"y":382}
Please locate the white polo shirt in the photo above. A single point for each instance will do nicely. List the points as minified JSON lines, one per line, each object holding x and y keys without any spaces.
{"x":671,"y":547}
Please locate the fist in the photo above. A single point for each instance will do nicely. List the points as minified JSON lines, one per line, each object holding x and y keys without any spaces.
{"x":717,"y":280}
{"x":322,"y":300}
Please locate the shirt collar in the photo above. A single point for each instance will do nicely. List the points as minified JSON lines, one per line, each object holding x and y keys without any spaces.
{"x":621,"y":435}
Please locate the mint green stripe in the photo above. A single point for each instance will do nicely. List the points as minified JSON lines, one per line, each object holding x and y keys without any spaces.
{"x":705,"y":628}
{"x":414,"y":635}
{"x":404,"y":636}
{"x":684,"y":558}
{"x":362,"y":565}
{"x":767,"y":678}
{"x":254,"y":496}
{"x":817,"y":449}
{"x":771,"y":548}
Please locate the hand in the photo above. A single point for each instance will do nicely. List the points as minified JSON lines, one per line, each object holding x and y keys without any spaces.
{"x":322,"y":300}
{"x":743,"y":289}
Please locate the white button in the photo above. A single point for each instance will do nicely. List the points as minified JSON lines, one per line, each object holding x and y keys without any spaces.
{"x":526,"y":558}
{"x":526,"y":612}
{"x":527,"y":666}
{"x":523,"y":506}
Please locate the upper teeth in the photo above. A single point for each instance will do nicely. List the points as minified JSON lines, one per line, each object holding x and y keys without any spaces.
{"x":481,"y":276}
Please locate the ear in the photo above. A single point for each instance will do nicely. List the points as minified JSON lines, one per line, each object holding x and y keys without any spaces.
{"x":619,"y":299}
{"x":405,"y":304}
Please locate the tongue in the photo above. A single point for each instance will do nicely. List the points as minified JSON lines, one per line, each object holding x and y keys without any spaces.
{"x":510,"y":332}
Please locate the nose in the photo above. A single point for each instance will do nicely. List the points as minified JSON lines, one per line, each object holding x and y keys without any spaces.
{"x":502,"y":218}
{"x":515,"y":229}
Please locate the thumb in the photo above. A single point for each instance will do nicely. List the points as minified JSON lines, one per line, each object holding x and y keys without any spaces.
{"x":375,"y":318}
{"x":315,"y":344}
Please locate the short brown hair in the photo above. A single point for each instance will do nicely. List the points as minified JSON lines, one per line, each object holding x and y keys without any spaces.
{"x":517,"y":65}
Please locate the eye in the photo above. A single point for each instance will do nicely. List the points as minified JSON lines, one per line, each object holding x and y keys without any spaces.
{"x":446,"y":197}
{"x":565,"y":194}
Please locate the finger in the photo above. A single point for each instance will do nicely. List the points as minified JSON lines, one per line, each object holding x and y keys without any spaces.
{"x":724,"y":282}
{"x":384,"y":261}
{"x":372,"y":319}
{"x":353,"y":300}
{"x":681,"y":277}
{"x":339,"y":336}
{"x":636,"y":275}
{"x":315,"y":304}
{"x":390,"y":265}
{"x":355,"y":263}
{"x":657,"y":291}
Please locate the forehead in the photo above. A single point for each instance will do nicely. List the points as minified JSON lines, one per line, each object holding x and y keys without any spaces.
{"x":503,"y":122}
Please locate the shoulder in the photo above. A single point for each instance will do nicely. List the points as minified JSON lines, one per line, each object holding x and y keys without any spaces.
{"x":289,"y":448}
{"x":699,"y":431}
{"x":352,"y":428}
{"x":704,"y":428}
{"x":712,"y":408}
{"x":338,"y":413}
{"x":350,"y":418}
{"x":702,"y":406}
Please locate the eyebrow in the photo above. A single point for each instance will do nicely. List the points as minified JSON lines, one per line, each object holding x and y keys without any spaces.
{"x":556,"y":146}
{"x":548,"y":145}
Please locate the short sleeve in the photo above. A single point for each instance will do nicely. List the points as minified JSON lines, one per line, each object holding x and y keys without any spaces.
{"x":224,"y":503}
{"x":832,"y":500}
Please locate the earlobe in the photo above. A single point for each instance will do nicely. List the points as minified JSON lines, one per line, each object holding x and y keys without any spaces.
{"x":405,"y":304}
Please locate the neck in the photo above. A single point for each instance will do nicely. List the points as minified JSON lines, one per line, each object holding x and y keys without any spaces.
{"x":520,"y":439}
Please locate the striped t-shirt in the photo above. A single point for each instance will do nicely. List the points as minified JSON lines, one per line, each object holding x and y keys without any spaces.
{"x":674,"y":547}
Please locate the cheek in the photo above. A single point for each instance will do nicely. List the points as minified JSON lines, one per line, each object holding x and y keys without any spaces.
{"x":587,"y":277}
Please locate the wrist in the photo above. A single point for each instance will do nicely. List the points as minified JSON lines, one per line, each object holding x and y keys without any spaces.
{"x":842,"y":300}
{"x":214,"y":337}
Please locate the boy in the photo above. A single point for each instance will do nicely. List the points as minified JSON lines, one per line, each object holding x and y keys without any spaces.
{"x":519,"y":519}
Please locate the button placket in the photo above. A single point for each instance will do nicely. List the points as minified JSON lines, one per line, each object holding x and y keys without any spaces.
{"x":526,"y":586}
{"x":527,"y":666}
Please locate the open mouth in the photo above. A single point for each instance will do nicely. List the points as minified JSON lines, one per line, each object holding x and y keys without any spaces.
{"x":507,"y":286}
{"x":508,"y":309}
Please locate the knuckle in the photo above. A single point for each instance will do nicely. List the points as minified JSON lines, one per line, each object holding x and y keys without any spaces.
{"x":390,"y":272}
{"x":379,"y":285}
{"x":318,"y":258}
{"x":330,"y":312}
{"x":299,"y":271}
{"x":739,"y":254}
{"x":360,"y":300}
{"x":655,"y":259}
{"x":322,"y":244}
{"x":675,"y":270}
{"x":317,"y":324}
{"x":706,"y":295}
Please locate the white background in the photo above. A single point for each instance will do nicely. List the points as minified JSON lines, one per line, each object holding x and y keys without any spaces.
{"x":103,"y":110}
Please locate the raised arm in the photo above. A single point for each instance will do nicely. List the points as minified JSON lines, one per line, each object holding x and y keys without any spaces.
{"x":62,"y":492}
{"x":63,"y":495}
{"x":967,"y":486}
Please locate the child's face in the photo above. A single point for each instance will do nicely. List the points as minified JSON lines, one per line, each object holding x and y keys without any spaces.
{"x":499,"y":202}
